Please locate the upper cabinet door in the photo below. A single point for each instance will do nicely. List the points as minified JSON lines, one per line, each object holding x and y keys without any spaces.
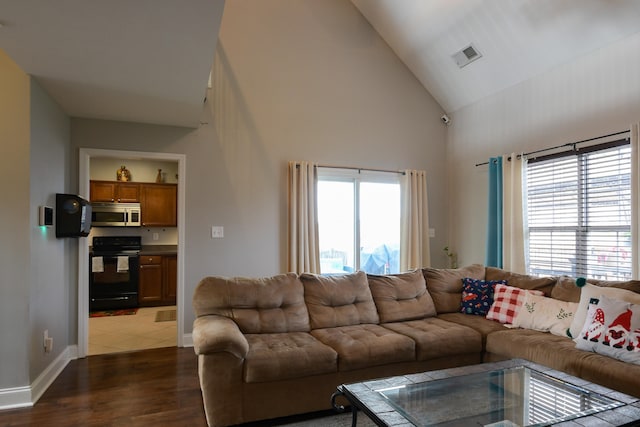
{"x":128,"y":192}
{"x":110,"y":191}
{"x":102,"y":191}
{"x":159,"y":205}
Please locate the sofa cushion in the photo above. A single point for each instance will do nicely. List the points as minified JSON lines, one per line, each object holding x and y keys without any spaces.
{"x":589,"y":291}
{"x":523,"y":281}
{"x":338,"y":300}
{"x":445,"y":285}
{"x":477,"y":295}
{"x":258,"y":305}
{"x":507,"y":300}
{"x":566,"y":289}
{"x":438,"y":338}
{"x":479,"y":324}
{"x":364,"y":346}
{"x":540,"y":347}
{"x":401,"y":296}
{"x":274,"y":357}
{"x":612,"y":373}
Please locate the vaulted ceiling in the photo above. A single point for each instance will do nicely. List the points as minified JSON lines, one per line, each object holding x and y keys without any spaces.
{"x":518,"y":39}
{"x":148,"y":61}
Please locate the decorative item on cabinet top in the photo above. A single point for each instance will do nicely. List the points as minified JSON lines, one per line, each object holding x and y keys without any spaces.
{"x":123,"y":174}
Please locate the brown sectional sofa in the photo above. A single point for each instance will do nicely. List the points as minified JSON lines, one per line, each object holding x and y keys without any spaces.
{"x":277,"y":346}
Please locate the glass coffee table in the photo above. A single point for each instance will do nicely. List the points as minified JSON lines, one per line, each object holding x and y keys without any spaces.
{"x":502,"y":394}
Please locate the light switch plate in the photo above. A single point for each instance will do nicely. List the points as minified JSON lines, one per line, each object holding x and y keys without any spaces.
{"x":217,"y":232}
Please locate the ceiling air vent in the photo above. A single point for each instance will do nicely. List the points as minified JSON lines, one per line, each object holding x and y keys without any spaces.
{"x":466,"y":56}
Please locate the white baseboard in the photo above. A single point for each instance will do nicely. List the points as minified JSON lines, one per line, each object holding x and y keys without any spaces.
{"x":20,"y":397}
{"x":187,"y":340}
{"x":16,"y":397}
{"x":46,"y":378}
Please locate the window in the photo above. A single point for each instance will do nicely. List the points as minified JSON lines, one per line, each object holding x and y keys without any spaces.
{"x":358,"y":221}
{"x":579,"y":213}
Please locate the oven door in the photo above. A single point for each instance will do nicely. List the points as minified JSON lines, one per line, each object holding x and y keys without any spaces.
{"x":113,"y":281}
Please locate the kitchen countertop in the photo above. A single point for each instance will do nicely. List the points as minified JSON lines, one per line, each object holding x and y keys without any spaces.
{"x":159,"y":250}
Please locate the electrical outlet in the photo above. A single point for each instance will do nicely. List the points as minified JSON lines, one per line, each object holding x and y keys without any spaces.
{"x":155,"y":236}
{"x":47,"y":342}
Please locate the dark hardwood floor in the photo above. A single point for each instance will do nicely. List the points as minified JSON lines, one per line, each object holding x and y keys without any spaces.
{"x":156,"y":387}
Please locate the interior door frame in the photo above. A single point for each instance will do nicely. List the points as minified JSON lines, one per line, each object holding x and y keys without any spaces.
{"x":83,"y":244}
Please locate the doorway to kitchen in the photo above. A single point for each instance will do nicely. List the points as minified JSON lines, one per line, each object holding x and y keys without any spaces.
{"x":153,"y":323}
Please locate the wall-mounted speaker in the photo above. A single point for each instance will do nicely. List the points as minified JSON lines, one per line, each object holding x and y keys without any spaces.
{"x":73,"y":216}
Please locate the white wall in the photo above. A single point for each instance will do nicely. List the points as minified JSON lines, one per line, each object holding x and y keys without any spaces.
{"x":595,"y":95}
{"x":53,"y":281}
{"x":141,"y":170}
{"x":14,"y":226}
{"x":293,"y":80}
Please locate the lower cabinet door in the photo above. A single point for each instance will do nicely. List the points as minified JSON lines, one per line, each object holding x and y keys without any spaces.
{"x":170,"y":276}
{"x":150,"y":284}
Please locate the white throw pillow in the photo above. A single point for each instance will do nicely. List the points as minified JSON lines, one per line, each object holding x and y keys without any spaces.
{"x":589,"y":291}
{"x":545,"y":314}
{"x":612,"y":328}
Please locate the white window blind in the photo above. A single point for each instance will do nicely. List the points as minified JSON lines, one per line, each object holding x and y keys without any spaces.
{"x":548,"y":401}
{"x":579,"y":213}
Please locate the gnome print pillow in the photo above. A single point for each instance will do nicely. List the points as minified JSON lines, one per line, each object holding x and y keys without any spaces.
{"x":612,"y":328}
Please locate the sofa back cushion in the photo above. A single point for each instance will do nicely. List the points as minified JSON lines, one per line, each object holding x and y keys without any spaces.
{"x":338,"y":300}
{"x":566,"y":289}
{"x":401,"y":296}
{"x":445,"y":285}
{"x":258,"y":305}
{"x":522,"y":281}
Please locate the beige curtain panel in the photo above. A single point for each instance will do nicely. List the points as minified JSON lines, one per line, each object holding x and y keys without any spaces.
{"x":635,"y":200}
{"x":514,"y":227}
{"x":304,"y":252}
{"x":414,"y":222}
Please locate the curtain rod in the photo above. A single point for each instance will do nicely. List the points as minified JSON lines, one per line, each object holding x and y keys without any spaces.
{"x":569,"y":144}
{"x":360,"y":169}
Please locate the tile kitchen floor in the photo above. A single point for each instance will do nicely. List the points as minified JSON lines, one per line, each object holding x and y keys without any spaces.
{"x":139,"y":331}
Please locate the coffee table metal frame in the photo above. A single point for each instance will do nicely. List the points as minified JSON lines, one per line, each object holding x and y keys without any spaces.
{"x":364,"y":396}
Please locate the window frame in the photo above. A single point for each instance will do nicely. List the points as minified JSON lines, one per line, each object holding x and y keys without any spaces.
{"x":357,"y":177}
{"x":583,"y":263}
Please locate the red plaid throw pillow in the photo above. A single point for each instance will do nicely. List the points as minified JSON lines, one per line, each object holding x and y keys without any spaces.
{"x":506,"y":303}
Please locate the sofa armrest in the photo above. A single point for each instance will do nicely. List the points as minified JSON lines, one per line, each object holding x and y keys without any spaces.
{"x":215,"y":334}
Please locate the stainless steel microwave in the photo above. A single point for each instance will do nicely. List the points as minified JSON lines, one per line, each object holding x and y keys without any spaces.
{"x":115,"y":214}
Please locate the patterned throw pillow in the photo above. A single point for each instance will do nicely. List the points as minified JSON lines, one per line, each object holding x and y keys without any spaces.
{"x":507,"y":300}
{"x":589,"y":291}
{"x":545,"y":314}
{"x":477,"y":295}
{"x":612,"y":328}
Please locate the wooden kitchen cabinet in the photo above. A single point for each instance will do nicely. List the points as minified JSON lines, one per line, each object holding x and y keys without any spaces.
{"x":158,"y":280}
{"x":158,"y":202}
{"x":150,"y":280}
{"x":170,"y":278}
{"x":112,"y":191}
{"x":159,"y":205}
